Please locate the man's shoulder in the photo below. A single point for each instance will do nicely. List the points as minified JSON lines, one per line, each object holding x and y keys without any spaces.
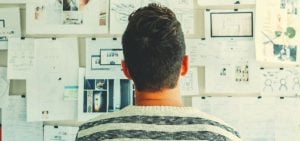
{"x":147,"y":122}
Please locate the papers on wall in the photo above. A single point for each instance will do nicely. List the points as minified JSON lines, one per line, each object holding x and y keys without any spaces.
{"x":229,"y":24}
{"x":9,"y":25}
{"x":60,"y":133}
{"x":67,"y":17}
{"x":121,"y":9}
{"x":103,"y":58}
{"x":54,"y":71}
{"x":20,"y":58}
{"x":252,"y":117}
{"x":4,"y":86}
{"x":280,"y":82}
{"x":119,"y":13}
{"x":189,"y":84}
{"x":201,"y":52}
{"x":223,"y":2}
{"x":276,"y":31}
{"x":100,"y":95}
{"x":234,"y":71}
{"x":184,"y":10}
{"x":14,"y":124}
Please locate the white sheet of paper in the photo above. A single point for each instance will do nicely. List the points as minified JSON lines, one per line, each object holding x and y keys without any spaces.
{"x":234,"y":70}
{"x":9,"y":25}
{"x":60,"y":133}
{"x":20,"y":58}
{"x":55,"y":67}
{"x":4,"y":86}
{"x":119,"y":13}
{"x":14,"y":124}
{"x":277,"y":82}
{"x":67,"y":17}
{"x":103,"y":58}
{"x":189,"y":84}
{"x":202,"y":52}
{"x":276,"y":31}
{"x":252,"y":117}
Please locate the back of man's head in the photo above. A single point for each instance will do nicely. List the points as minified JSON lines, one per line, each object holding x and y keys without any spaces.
{"x":154,"y":48}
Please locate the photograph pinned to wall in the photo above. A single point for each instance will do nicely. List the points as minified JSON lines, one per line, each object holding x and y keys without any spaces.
{"x":103,"y":58}
{"x":98,"y":96}
{"x":276,"y":31}
{"x":67,"y":17}
{"x":229,"y":24}
{"x":280,"y":82}
{"x":10,"y":25}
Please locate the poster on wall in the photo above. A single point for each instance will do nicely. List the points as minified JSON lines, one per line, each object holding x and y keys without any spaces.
{"x":101,"y":95}
{"x":280,"y":82}
{"x":229,"y":24}
{"x":121,"y":9}
{"x":9,"y":25}
{"x":52,"y":87}
{"x":67,"y":16}
{"x":277,"y":37}
{"x":234,"y":71}
{"x":103,"y":58}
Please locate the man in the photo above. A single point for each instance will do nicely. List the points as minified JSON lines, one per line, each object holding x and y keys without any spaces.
{"x":154,"y":58}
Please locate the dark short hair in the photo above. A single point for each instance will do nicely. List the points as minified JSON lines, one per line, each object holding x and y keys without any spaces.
{"x":153,"y":46}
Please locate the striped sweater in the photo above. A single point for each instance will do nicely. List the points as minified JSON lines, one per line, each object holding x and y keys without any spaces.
{"x":156,"y":123}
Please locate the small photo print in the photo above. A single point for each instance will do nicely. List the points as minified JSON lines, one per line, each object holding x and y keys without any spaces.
{"x":101,"y":84}
{"x":95,"y":101}
{"x":70,"y":5}
{"x":39,"y":12}
{"x":285,"y":52}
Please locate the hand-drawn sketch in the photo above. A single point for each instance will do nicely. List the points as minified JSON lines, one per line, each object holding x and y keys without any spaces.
{"x":276,"y":31}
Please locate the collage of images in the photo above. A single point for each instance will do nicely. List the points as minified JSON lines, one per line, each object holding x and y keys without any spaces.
{"x":107,"y":95}
{"x":70,"y":12}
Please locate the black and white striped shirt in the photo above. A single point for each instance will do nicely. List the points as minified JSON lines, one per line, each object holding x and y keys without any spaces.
{"x":156,"y":123}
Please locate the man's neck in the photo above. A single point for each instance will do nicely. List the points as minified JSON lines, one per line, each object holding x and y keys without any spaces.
{"x":166,"y":97}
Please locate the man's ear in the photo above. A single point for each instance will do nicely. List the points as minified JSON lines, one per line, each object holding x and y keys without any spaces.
{"x":125,"y":70}
{"x":185,"y":66}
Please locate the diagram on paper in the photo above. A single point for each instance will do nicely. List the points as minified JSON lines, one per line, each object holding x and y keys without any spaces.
{"x":276,"y":31}
{"x":280,"y":82}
